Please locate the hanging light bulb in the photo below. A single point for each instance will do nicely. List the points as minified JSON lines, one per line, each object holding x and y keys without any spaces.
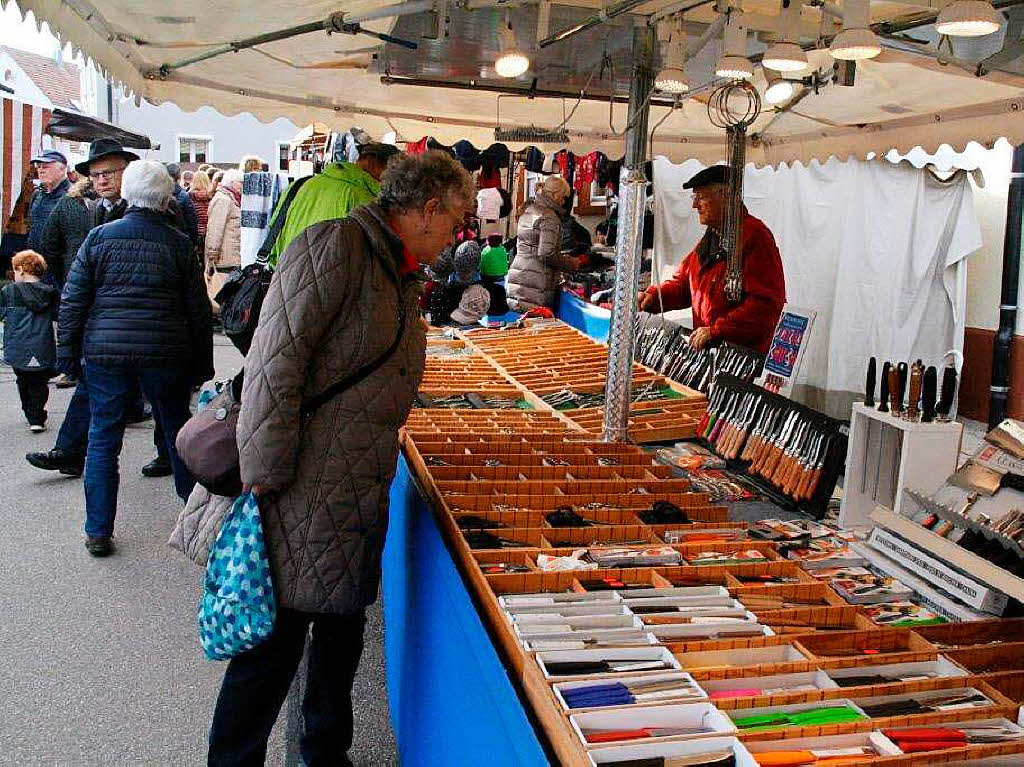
{"x":857,"y":41}
{"x":512,"y":62}
{"x":672,"y":78}
{"x":786,"y":55}
{"x":733,"y":63}
{"x":779,"y":90}
{"x":968,"y":18}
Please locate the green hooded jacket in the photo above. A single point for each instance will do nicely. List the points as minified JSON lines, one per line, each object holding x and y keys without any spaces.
{"x":334,"y":193}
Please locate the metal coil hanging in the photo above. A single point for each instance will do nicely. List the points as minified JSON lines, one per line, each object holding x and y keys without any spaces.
{"x":734,"y":107}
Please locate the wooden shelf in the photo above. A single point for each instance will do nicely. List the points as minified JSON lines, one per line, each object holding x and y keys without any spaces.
{"x":975,"y":566}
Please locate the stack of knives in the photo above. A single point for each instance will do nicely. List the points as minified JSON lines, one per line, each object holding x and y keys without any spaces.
{"x":916,"y":401}
{"x":790,"y":446}
{"x":665,"y":347}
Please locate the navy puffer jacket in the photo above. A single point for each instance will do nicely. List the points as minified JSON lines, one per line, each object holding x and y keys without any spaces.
{"x":135,"y":295}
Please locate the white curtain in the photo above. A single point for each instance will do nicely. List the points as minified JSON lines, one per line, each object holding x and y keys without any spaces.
{"x":876,"y":248}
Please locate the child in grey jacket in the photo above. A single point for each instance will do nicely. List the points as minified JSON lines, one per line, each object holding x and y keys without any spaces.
{"x":28,"y":308}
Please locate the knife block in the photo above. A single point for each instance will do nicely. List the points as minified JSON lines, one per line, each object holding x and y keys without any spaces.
{"x":885,"y":454}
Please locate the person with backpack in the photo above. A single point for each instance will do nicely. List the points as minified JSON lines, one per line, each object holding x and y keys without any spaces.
{"x":28,"y":307}
{"x":342,"y":308}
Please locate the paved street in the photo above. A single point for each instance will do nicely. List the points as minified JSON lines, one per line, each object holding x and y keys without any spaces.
{"x":101,"y":663}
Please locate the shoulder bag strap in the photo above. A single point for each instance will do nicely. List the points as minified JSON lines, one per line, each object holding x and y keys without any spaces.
{"x":310,"y":406}
{"x":263,"y":254}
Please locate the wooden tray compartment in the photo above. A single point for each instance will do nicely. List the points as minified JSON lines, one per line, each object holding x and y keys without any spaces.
{"x":577,"y":537}
{"x":794,"y":595}
{"x":847,"y":645}
{"x":531,"y":538}
{"x":762,"y":660}
{"x":1008,"y":656}
{"x":1008,"y":683}
{"x":961,"y":635}
{"x":806,"y":620}
{"x":515,"y":557}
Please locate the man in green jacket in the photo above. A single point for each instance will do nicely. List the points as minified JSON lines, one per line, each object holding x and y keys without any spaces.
{"x":333,"y":193}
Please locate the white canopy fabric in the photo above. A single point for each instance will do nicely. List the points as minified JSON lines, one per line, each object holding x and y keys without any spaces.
{"x":877,"y":249}
{"x":900,"y":100}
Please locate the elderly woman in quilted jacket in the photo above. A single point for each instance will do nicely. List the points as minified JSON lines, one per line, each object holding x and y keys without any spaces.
{"x":343,"y":302}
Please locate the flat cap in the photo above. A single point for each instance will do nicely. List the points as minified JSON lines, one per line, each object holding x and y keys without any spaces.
{"x":50,"y":155}
{"x":714,"y":174}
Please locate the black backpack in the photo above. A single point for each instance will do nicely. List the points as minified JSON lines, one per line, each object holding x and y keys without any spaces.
{"x":241,"y":297}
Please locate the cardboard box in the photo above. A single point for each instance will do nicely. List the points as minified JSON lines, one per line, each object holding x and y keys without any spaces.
{"x":942,"y":668}
{"x":617,"y":754}
{"x":690,"y":715}
{"x":701,"y":695}
{"x":875,"y":740}
{"x":637,"y":654}
{"x":568,"y":640}
{"x":725,"y":692}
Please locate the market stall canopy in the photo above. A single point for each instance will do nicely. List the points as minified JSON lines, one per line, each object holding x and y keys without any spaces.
{"x":196,"y":53}
{"x":78,"y":127}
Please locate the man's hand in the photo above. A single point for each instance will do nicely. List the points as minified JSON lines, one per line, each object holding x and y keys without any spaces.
{"x":649,"y":302}
{"x":699,"y":338}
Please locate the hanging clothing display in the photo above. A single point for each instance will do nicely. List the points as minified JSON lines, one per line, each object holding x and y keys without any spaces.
{"x":259,"y":192}
{"x":854,"y":236}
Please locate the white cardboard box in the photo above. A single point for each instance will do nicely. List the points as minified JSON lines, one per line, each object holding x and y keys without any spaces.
{"x":541,"y":624}
{"x":752,"y":656}
{"x":926,"y":696}
{"x":567,"y":610}
{"x":793,"y":708}
{"x":666,"y":677}
{"x":882,"y":745}
{"x":942,"y":668}
{"x":688,"y":715}
{"x":628,"y":653}
{"x":515,"y":601}
{"x":628,"y":637}
{"x":683,"y":592}
{"x":819,"y":679}
{"x":614,"y":754}
{"x":680,"y":631}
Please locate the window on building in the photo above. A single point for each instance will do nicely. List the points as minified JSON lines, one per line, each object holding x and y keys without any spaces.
{"x":191,"y":149}
{"x":284,"y":153}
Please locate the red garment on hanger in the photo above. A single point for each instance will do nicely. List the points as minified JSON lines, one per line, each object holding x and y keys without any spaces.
{"x":490,"y":178}
{"x":586,"y":170}
{"x":417,"y":147}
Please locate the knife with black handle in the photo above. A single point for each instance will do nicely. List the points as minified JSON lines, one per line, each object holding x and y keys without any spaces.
{"x":869,"y":385}
{"x":883,"y":393}
{"x":914,"y":391}
{"x":929,"y":385}
{"x":948,"y":393}
{"x":901,"y":373}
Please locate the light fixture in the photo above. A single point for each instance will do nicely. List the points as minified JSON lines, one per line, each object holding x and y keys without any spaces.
{"x":857,"y":41}
{"x":512,"y":62}
{"x":779,"y":90}
{"x":968,"y":18}
{"x":672,"y":78}
{"x":733,"y":63}
{"x":785,"y":55}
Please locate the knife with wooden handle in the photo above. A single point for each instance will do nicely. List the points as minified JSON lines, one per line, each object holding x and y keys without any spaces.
{"x":895,"y":400}
{"x":914,"y":394}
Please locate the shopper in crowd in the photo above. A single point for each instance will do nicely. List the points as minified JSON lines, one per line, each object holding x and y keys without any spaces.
{"x":28,"y":307}
{"x":346,"y":290}
{"x":104,"y":168}
{"x":217,"y":177}
{"x":534,"y":275}
{"x":333,"y":193}
{"x":67,"y":226}
{"x":493,"y":268}
{"x":186,"y":179}
{"x":250,"y":164}
{"x":699,"y":282}
{"x":52,"y":171}
{"x":184,"y":203}
{"x":138,"y":272}
{"x":223,"y":242}
{"x":201,"y":191}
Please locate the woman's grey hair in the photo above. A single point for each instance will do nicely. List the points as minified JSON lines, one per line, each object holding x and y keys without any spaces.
{"x":231,"y":175}
{"x":146,"y":184}
{"x":411,"y":181}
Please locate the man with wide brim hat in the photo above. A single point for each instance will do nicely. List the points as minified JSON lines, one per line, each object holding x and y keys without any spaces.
{"x":699,"y":282}
{"x":105,"y":148}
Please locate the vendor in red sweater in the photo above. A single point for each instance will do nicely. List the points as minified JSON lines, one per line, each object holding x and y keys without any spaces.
{"x":700,"y":279}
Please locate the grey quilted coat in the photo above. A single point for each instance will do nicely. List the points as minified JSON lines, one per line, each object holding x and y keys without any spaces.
{"x":532,"y":279}
{"x":332,"y":308}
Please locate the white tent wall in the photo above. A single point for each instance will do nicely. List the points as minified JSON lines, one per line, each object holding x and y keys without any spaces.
{"x":877,"y":249}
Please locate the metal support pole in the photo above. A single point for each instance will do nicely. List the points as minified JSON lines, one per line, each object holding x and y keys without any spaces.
{"x":632,"y":194}
{"x":999,"y":391}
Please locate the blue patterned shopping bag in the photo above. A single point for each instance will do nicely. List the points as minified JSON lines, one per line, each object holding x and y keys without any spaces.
{"x":237,"y":610}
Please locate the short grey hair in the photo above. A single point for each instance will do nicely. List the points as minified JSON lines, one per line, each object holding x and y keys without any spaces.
{"x":173,"y":170}
{"x":411,"y":181}
{"x":146,"y":184}
{"x":231,"y":176}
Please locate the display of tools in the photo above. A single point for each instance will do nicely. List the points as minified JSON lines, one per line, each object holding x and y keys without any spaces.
{"x":928,"y":394}
{"x":619,"y":693}
{"x":833,"y":757}
{"x":664,"y":346}
{"x":869,"y":384}
{"x":706,"y":759}
{"x":611,"y":736}
{"x":901,"y":706}
{"x":883,"y":394}
{"x":916,"y":740}
{"x":914,"y":391}
{"x":946,"y":397}
{"x":611,"y":665}
{"x":895,"y":395}
{"x":791,"y":447}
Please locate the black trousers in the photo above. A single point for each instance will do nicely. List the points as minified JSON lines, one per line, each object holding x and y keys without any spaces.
{"x":257,"y":682}
{"x":34,"y":390}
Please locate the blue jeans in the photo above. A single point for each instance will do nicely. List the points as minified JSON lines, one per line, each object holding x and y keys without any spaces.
{"x":73,"y":437}
{"x":112,"y":391}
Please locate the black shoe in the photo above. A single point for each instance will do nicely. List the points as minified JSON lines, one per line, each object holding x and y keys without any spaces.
{"x":58,"y":460}
{"x":99,"y":547}
{"x":158,"y":467}
{"x":138,"y":417}
{"x":64,"y":381}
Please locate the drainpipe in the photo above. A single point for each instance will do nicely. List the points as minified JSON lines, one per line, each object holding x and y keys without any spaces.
{"x":1000,"y":389}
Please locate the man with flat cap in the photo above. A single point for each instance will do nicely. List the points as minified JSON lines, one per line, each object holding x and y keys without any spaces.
{"x":699,"y":282}
{"x":52,"y":170}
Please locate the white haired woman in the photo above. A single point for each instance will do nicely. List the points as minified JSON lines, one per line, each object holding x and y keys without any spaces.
{"x":343,"y":300}
{"x":134,"y":310}
{"x":532,"y":279}
{"x":223,"y":246}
